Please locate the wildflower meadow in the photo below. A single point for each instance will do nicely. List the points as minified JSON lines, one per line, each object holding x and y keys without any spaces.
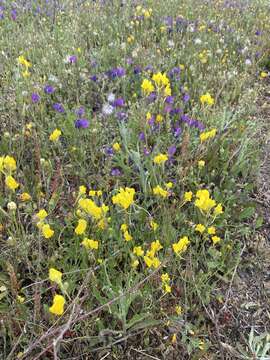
{"x":133,"y":179}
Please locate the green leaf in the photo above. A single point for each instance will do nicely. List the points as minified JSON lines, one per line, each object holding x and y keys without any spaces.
{"x":247,"y":213}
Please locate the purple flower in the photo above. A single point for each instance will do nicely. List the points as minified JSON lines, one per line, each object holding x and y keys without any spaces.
{"x":177,"y":131}
{"x":169,"y":100}
{"x":109,"y":151}
{"x":152,"y":97}
{"x":80,"y":111}
{"x":168,"y":108}
{"x":121,"y":115}
{"x":137,"y":69}
{"x":149,"y":68}
{"x":72,"y":59}
{"x":13,"y":14}
{"x":58,"y":107}
{"x":48,"y":89}
{"x":186,"y":98}
{"x":35,"y":98}
{"x":116,"y":72}
{"x":171,"y":151}
{"x":151,"y":121}
{"x":116,"y":172}
{"x":81,"y":123}
{"x":146,"y":151}
{"x":119,"y":102}
{"x":93,"y":78}
{"x":142,"y":136}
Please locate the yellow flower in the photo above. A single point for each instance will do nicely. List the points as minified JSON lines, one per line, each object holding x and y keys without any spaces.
{"x":160,"y":159}
{"x":160,"y":192}
{"x":148,"y":261}
{"x":42,"y":214}
{"x":174,"y":338}
{"x":159,"y":118}
{"x":201,"y":163}
{"x":208,"y":135}
{"x":90,"y":244}
{"x":26,"y":74}
{"x":99,"y":193}
{"x":55,"y":276}
{"x":1,"y":163}
{"x":57,"y":307}
{"x":153,"y":225}
{"x":207,"y":99}
{"x":200,"y":228}
{"x":47,"y":231}
{"x":178,"y":310}
{"x":167,"y":288}
{"x":181,"y":245}
{"x":160,"y":79}
{"x":165,"y":277}
{"x":218,"y":210}
{"x":82,"y":190}
{"x":55,"y":135}
{"x":124,"y":227}
{"x":168,"y":91}
{"x":156,"y":246}
{"x":148,"y":116}
{"x":25,"y":196}
{"x":116,"y":146}
{"x":169,"y":185}
{"x":81,"y":227}
{"x":216,"y":239}
{"x":211,"y":230}
{"x":188,"y":196}
{"x":92,"y":193}
{"x":20,"y":299}
{"x":92,"y":209}
{"x":135,"y":263}
{"x":24,"y":62}
{"x":138,"y":251}
{"x":130,"y":39}
{"x":9,"y":163}
{"x":263,"y":74}
{"x":147,"y":87}
{"x":155,"y":262}
{"x":203,"y":201}
{"x":124,"y":198}
{"x":11,"y":183}
{"x":127,"y":236}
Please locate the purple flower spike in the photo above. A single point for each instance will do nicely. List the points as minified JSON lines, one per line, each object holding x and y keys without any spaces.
{"x":81,"y":124}
{"x":58,"y":107}
{"x":119,"y":102}
{"x":186,"y":98}
{"x":142,"y":136}
{"x":171,"y":150}
{"x":116,"y":172}
{"x":80,"y":111}
{"x":72,"y":59}
{"x":177,"y":131}
{"x":35,"y":98}
{"x":169,"y":100}
{"x":48,"y":89}
{"x":94,"y":78}
{"x":109,"y":151}
{"x":146,"y":151}
{"x":13,"y":14}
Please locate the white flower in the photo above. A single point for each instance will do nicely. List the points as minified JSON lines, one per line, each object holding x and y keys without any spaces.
{"x":198,"y":41}
{"x":111,"y":98}
{"x":11,"y":206}
{"x":170,"y":43}
{"x":107,"y":109}
{"x":248,"y":62}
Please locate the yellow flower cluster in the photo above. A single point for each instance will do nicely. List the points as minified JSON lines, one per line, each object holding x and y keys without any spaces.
{"x":161,"y":81}
{"x":165,"y":283}
{"x":7,"y":166}
{"x":207,"y":99}
{"x":57,"y":307}
{"x":203,"y":200}
{"x":90,"y":207}
{"x":27,"y":64}
{"x":150,"y":259}
{"x":124,"y":198}
{"x":55,"y":135}
{"x":159,"y":191}
{"x":181,"y":245}
{"x":160,"y":159}
{"x":55,"y":276}
{"x":126,"y":234}
{"x":81,"y":227}
{"x":90,"y":244}
{"x":204,"y":136}
{"x":46,"y":230}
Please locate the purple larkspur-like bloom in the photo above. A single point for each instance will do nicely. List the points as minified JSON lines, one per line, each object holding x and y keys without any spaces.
{"x":177,"y":130}
{"x":94,"y":78}
{"x":151,"y":98}
{"x":116,"y":172}
{"x":120,"y":102}
{"x":186,"y":98}
{"x":169,"y":100}
{"x":168,"y":108}
{"x":146,"y":151}
{"x":72,"y":59}
{"x":141,"y":136}
{"x":80,"y":111}
{"x":121,"y":115}
{"x":137,"y":70}
{"x":151,"y":121}
{"x":176,"y":111}
{"x":48,"y":89}
{"x":175,"y":72}
{"x":58,"y":107}
{"x":81,"y":123}
{"x":109,"y":151}
{"x":149,"y":68}
{"x":35,"y":98}
{"x":116,"y":72}
{"x":171,"y":150}
{"x":13,"y":14}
